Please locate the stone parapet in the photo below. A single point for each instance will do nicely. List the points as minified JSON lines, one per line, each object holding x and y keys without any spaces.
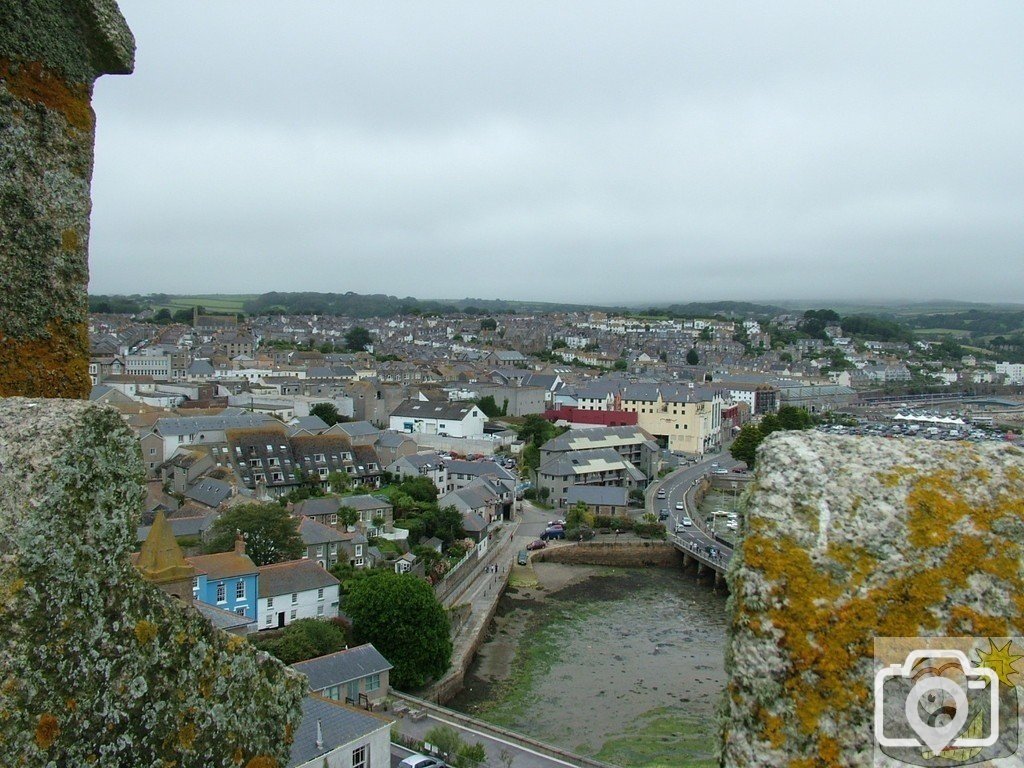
{"x":100,"y":667}
{"x":849,"y":539}
{"x":51,"y":52}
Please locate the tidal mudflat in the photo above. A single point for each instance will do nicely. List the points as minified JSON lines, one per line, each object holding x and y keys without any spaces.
{"x":622,"y":664}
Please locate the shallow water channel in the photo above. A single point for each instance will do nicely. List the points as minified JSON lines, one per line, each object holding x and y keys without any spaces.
{"x":622,"y":664}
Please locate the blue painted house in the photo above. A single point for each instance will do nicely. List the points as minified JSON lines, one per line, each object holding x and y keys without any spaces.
{"x":227,"y":580}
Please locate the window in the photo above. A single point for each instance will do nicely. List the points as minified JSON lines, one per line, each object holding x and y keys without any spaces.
{"x":320,"y":594}
{"x":359,"y":550}
{"x":195,"y":585}
{"x":239,"y":590}
{"x":294,"y":613}
{"x":319,"y":610}
{"x":222,"y":595}
{"x":334,"y":519}
{"x":240,"y":611}
{"x":152,"y":451}
{"x":295,"y":597}
{"x":359,"y":562}
{"x":373,"y":683}
{"x":319,"y":551}
{"x":359,"y":757}
{"x":269,"y":619}
{"x":270,"y":602}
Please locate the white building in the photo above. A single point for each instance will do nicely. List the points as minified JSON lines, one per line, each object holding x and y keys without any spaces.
{"x":451,"y":419}
{"x":297,"y":589}
{"x":1014,"y":372}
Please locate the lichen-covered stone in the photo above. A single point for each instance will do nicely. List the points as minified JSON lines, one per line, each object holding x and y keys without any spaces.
{"x":98,"y":666}
{"x":51,"y":51}
{"x":849,"y":539}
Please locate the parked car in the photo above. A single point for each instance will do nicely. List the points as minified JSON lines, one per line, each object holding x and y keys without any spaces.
{"x":739,"y":469}
{"x":553,"y":533}
{"x":523,"y":558}
{"x":422,"y":761}
{"x":719,"y":471}
{"x":556,"y":523}
{"x":537,"y":544}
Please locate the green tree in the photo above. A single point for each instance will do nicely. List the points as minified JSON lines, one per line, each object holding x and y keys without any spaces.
{"x":531,"y":457}
{"x":419,"y":488}
{"x":445,"y":523}
{"x":705,"y":333}
{"x":488,"y":406}
{"x":402,"y":617}
{"x":163,"y":317}
{"x":271,"y":533}
{"x":744,"y":447}
{"x":792,"y":417}
{"x":358,"y":339}
{"x":348,"y":516}
{"x":488,"y":324}
{"x":578,"y":516}
{"x":304,"y":639}
{"x":328,"y":412}
{"x":338,"y":481}
{"x":692,"y":358}
{"x":620,"y":365}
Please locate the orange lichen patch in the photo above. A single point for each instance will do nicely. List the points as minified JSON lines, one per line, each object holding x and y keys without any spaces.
{"x":262,"y":762}
{"x":47,"y":730}
{"x":772,"y":730}
{"x":69,"y":240}
{"x":55,"y":365}
{"x":32,"y":82}
{"x":828,"y":617}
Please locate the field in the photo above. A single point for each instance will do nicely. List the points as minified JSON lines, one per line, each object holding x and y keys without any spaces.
{"x":220,"y":303}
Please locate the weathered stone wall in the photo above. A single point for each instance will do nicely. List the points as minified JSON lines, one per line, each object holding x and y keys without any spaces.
{"x":848,"y":539}
{"x":51,"y":52}
{"x":98,"y":666}
{"x":623,"y":555}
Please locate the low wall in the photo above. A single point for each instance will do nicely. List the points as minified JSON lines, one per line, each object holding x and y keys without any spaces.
{"x":462,"y":445}
{"x":623,"y":554}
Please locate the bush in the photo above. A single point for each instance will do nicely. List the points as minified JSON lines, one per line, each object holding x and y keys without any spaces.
{"x":649,"y":530}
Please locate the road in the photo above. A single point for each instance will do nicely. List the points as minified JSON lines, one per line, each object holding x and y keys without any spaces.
{"x":676,"y":486}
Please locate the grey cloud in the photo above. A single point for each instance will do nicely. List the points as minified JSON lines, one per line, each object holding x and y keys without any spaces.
{"x":565,"y":151}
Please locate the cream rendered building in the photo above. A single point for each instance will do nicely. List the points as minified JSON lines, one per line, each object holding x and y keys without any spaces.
{"x":689,"y":418}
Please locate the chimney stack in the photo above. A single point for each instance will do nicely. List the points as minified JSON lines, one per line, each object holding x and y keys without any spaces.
{"x":239,"y":543}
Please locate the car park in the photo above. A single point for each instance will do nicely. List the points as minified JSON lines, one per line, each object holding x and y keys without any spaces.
{"x":537,"y":544}
{"x":523,"y":558}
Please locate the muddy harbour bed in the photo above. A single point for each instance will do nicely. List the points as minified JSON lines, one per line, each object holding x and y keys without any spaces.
{"x":622,"y":664}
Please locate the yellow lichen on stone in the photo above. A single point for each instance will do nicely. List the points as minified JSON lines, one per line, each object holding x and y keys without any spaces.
{"x":187,"y":736}
{"x":145,"y":631}
{"x":262,"y":762}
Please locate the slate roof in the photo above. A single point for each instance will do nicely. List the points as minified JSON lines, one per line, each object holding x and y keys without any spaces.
{"x":358,"y":428}
{"x":420,"y":409}
{"x":189,"y":425}
{"x":339,"y":725}
{"x":323,"y":505}
{"x":578,"y":439}
{"x":312,"y":423}
{"x":293,"y":576}
{"x":584,"y":462}
{"x":598,"y":495}
{"x":226,"y":620}
{"x":342,"y":666}
{"x":313,"y":533}
{"x":366,"y":501}
{"x":478,"y":469}
{"x":209,"y":492}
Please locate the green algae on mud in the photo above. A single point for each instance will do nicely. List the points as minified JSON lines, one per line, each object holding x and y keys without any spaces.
{"x":624,"y":662}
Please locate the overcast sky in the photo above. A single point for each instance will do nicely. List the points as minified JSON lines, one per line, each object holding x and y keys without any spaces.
{"x":567,"y":151}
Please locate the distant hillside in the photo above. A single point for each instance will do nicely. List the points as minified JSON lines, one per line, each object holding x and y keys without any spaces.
{"x":381,"y":305}
{"x":726,"y":308}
